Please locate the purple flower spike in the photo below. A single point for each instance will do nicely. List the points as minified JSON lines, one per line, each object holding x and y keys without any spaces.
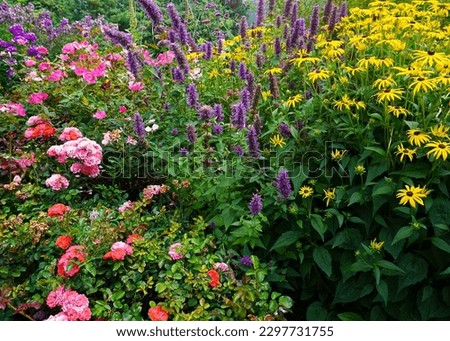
{"x":283,"y":184}
{"x":152,"y":10}
{"x":255,"y":205}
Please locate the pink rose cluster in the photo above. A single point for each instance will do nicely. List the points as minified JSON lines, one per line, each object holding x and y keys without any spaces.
{"x":162,"y":59}
{"x":68,"y":263}
{"x":118,"y":251}
{"x":37,"y":98}
{"x":87,"y":152}
{"x":74,"y":306}
{"x":127,"y":205}
{"x":57,"y":182}
{"x":13,"y":108}
{"x":153,"y":190}
{"x":39,"y":127}
{"x":175,"y":251}
{"x":85,"y":61}
{"x":47,"y":71}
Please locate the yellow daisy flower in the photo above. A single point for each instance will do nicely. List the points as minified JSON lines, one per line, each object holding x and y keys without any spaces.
{"x":273,"y":71}
{"x":293,"y":100}
{"x":402,"y":151}
{"x":417,"y":137}
{"x":318,"y":74}
{"x":430,"y":57}
{"x":422,"y":84}
{"x":397,"y":111}
{"x":376,"y":246}
{"x":411,"y":195}
{"x":277,"y":141}
{"x":360,"y":169}
{"x":389,"y":95}
{"x":384,"y":82}
{"x":337,"y":155}
{"x":439,"y":149}
{"x":440,"y":130}
{"x":306,"y":191}
{"x":330,"y":195}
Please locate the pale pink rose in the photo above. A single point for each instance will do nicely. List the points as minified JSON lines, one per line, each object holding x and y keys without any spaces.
{"x":37,"y":98}
{"x":70,"y":134}
{"x":58,"y":317}
{"x":17,"y":179}
{"x":35,"y":120}
{"x":57,"y":182}
{"x":131,"y":140}
{"x":30,"y":62}
{"x":21,"y":41}
{"x":13,"y":108}
{"x":100,"y":114}
{"x":175,"y":251}
{"x":106,"y":138}
{"x":221,"y":266}
{"x":135,"y":86}
{"x":165,"y":58}
{"x":68,"y":48}
{"x":127,"y":205}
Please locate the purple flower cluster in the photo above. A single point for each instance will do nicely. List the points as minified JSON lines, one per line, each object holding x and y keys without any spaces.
{"x":260,"y":13}
{"x":134,"y":62}
{"x":283,"y":183}
{"x":284,"y":130}
{"x":255,"y":205}
{"x":192,"y":95}
{"x":138,"y":126}
{"x":117,"y":37}
{"x":191,"y":133}
{"x":238,"y":115}
{"x":218,"y":112}
{"x":252,"y":142}
{"x":246,"y":261}
{"x":152,"y":10}
{"x":243,"y":27}
{"x":180,"y":57}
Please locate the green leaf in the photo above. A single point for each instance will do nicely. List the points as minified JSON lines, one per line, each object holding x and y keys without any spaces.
{"x":388,"y":265}
{"x":376,"y":170}
{"x":316,"y":312}
{"x":377,"y":150}
{"x":377,"y":274}
{"x":445,"y":272}
{"x":350,"y":317}
{"x":416,"y":269}
{"x":355,"y":198}
{"x":380,"y":190}
{"x":439,"y":213}
{"x":323,"y":259}
{"x":441,"y":244}
{"x":417,"y":170}
{"x":286,"y":239}
{"x":318,"y":225}
{"x":403,"y":233}
{"x":382,"y":289}
{"x":286,"y":302}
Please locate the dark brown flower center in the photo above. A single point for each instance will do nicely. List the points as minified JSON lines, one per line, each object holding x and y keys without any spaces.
{"x":431,"y":53}
{"x":420,"y":79}
{"x":387,"y":90}
{"x":409,"y":194}
{"x":441,"y":145}
{"x":417,"y":133}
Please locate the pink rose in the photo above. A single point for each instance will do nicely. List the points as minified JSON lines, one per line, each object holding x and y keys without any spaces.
{"x":37,"y":98}
{"x":100,"y":114}
{"x":135,"y":86}
{"x":30,"y":62}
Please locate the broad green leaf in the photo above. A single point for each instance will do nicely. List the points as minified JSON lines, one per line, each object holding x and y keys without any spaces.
{"x":318,"y":225}
{"x":355,"y":198}
{"x":388,"y":265}
{"x":316,"y":312}
{"x":286,"y":239}
{"x":415,"y":270}
{"x":323,"y":259}
{"x":382,"y":289}
{"x":380,"y":190}
{"x":446,"y":272}
{"x":403,"y":233}
{"x":377,"y":274}
{"x":377,"y":150}
{"x":441,"y":244}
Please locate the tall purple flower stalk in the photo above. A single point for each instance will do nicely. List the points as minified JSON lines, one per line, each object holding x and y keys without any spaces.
{"x":273,"y":86}
{"x":257,"y":123}
{"x":173,"y":36}
{"x":271,"y":7}
{"x":277,"y":46}
{"x":260,"y":13}
{"x":191,"y":133}
{"x":278,"y":21}
{"x":287,"y":9}
{"x":294,"y":12}
{"x":259,"y":60}
{"x":192,"y":95}
{"x":297,"y":32}
{"x":255,"y":205}
{"x":243,"y":26}
{"x":177,"y":75}
{"x":250,"y":82}
{"x":284,"y":130}
{"x":242,"y":70}
{"x":333,"y":19}
{"x":314,"y":24}
{"x":219,"y":42}
{"x":245,"y":98}
{"x":180,"y":57}
{"x":134,"y":63}
{"x":327,"y":11}
{"x":152,"y":10}
{"x":238,"y":115}
{"x":218,"y":112}
{"x":208,"y":50}
{"x":138,"y":126}
{"x":183,"y":34}
{"x":343,"y":10}
{"x":117,"y":37}
{"x":174,"y":16}
{"x":252,"y":142}
{"x":283,"y":183}
{"x":233,"y":65}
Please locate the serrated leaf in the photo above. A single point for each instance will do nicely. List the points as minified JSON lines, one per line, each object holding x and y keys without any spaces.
{"x":286,"y":239}
{"x":403,"y":233}
{"x":323,"y":259}
{"x":441,"y":244}
{"x":382,"y":289}
{"x":350,"y":317}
